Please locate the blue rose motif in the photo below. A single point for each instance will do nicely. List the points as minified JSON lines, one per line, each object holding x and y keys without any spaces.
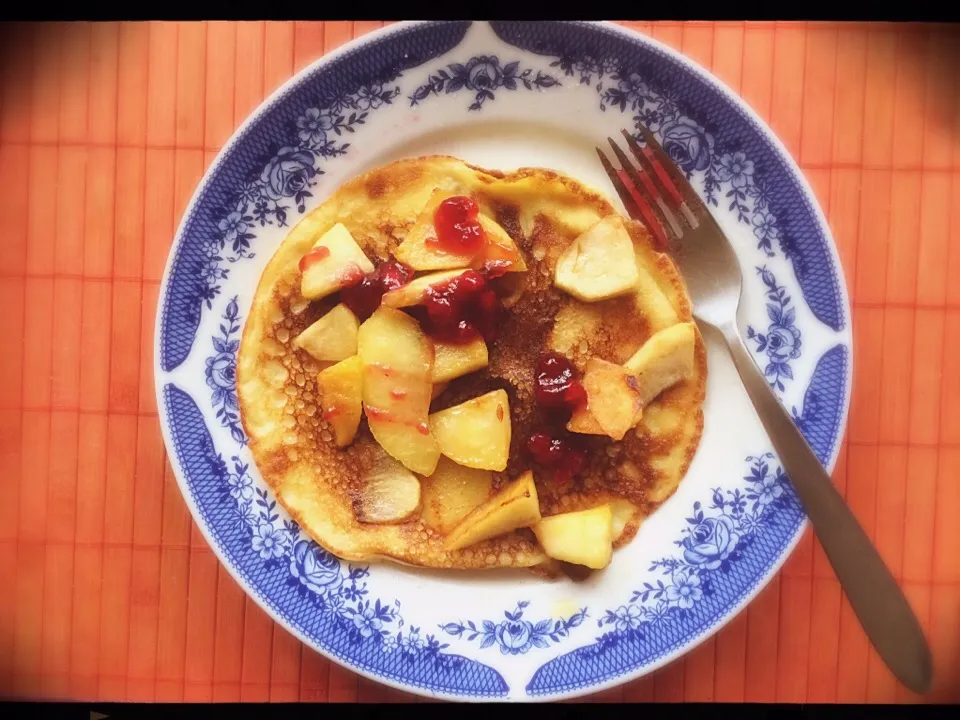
{"x":783,"y":342}
{"x":685,"y":590}
{"x":315,"y":568}
{"x":514,"y":637}
{"x":711,"y":542}
{"x":268,"y":542}
{"x":313,"y":125}
{"x":736,"y":169}
{"x":687,"y":144}
{"x":288,"y":173}
{"x":222,"y":371}
{"x":484,"y":73}
{"x":232,"y":225}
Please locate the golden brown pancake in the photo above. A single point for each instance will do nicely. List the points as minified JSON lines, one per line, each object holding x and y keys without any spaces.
{"x":543,"y":212}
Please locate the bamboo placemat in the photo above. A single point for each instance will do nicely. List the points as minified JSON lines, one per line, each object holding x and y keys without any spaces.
{"x":111,"y":593}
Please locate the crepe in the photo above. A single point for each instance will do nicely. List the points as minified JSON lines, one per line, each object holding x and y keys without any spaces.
{"x":542,"y":211}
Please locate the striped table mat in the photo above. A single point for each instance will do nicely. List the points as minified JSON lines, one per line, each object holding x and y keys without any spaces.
{"x":111,"y":593}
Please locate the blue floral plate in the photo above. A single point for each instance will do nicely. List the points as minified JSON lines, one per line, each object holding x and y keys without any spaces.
{"x":504,"y":95}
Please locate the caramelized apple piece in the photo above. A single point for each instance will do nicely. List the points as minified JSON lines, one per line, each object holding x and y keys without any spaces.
{"x":454,"y":360}
{"x":397,"y":368}
{"x":452,"y":492}
{"x":475,"y":433}
{"x":514,"y":506}
{"x":599,"y":264}
{"x":664,"y":360}
{"x":416,"y":291}
{"x":334,"y":262}
{"x":333,"y":337}
{"x":390,"y":494}
{"x":420,"y":251}
{"x":341,"y":390}
{"x":583,"y":538}
{"x":613,"y":400}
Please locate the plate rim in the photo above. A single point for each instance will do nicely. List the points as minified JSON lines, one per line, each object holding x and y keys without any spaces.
{"x":372,"y":38}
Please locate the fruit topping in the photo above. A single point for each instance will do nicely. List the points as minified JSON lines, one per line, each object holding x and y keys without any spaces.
{"x":557,"y":388}
{"x":461,"y":307}
{"x":558,"y":453}
{"x":334,"y":262}
{"x":458,"y":230}
{"x":600,"y":263}
{"x":364,"y":295}
{"x":333,"y":337}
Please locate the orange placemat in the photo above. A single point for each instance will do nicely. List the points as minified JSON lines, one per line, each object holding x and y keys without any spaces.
{"x":111,"y":593}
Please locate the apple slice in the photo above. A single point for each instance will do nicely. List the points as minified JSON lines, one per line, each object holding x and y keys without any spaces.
{"x":613,"y":400}
{"x":341,"y":391}
{"x":334,"y":262}
{"x":397,"y":368}
{"x":452,"y":492}
{"x":583,"y":538}
{"x":420,"y":251}
{"x":664,"y":360}
{"x":390,"y":494}
{"x":454,"y":360}
{"x":599,"y":264}
{"x":514,"y":506}
{"x":475,"y":433}
{"x":583,"y":421}
{"x":333,"y":337}
{"x":415,"y":292}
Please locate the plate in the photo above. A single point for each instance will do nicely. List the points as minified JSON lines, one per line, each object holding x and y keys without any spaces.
{"x":505,"y":95}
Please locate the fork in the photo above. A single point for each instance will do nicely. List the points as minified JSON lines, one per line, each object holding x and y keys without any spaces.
{"x":665,"y":201}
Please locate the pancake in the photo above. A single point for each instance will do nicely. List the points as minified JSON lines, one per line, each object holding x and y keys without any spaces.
{"x":543,"y":212}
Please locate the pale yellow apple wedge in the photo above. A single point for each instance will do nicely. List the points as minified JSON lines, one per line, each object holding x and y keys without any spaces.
{"x":475,"y":433}
{"x":333,"y":337}
{"x":335,"y":261}
{"x":514,"y":506}
{"x":612,"y":397}
{"x":397,"y":368}
{"x":583,"y":538}
{"x":391,"y":493}
{"x":452,"y":492}
{"x":664,"y":360}
{"x":341,"y":393}
{"x":599,"y":264}
{"x":453,"y":360}
{"x":415,"y":292}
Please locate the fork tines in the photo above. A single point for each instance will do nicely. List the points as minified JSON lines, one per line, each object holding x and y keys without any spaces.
{"x":656,"y":192}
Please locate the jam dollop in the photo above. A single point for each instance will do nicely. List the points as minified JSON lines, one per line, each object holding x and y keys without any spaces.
{"x":458,"y":230}
{"x":557,"y":387}
{"x":364,"y":294}
{"x":462,"y":307}
{"x":558,"y":453}
{"x":314,"y":256}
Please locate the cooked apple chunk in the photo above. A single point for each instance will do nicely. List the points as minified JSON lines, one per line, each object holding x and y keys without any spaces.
{"x":514,"y":506}
{"x":390,"y":493}
{"x":664,"y":360}
{"x":397,"y":368}
{"x":475,"y":433}
{"x":419,"y":249}
{"x":341,"y":392}
{"x":613,"y":400}
{"x":333,"y":337}
{"x":452,"y":492}
{"x":599,"y":264}
{"x":583,"y":538}
{"x":416,"y":291}
{"x":454,"y":360}
{"x":334,"y":262}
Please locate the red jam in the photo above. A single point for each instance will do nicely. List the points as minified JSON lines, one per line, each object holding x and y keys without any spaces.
{"x":557,"y":387}
{"x":314,"y":256}
{"x":364,"y":294}
{"x":458,"y":230}
{"x":462,"y":307}
{"x":559,"y":454}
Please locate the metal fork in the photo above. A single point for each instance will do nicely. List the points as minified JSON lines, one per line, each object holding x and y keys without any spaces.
{"x":673,"y":211}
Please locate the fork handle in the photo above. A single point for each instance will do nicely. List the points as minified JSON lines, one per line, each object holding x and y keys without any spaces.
{"x":873,"y":592}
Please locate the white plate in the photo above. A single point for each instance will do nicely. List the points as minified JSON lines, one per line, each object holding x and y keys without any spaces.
{"x":505,"y":95}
